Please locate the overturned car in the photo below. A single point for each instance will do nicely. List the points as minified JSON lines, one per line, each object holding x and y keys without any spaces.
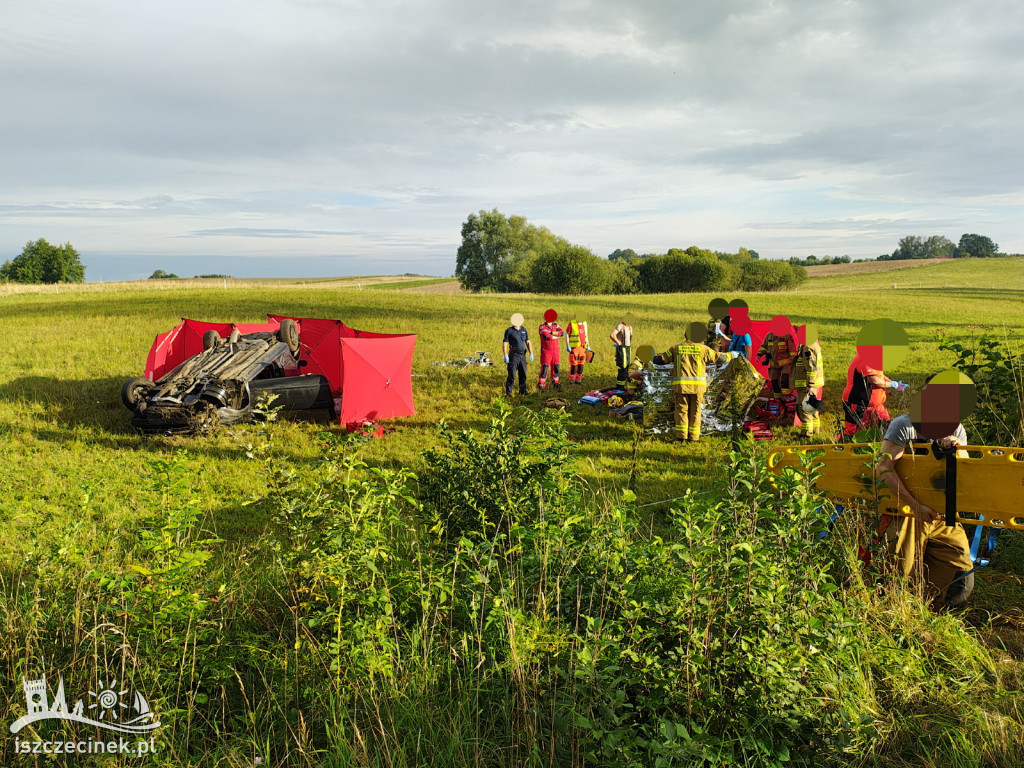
{"x":227,"y":383}
{"x":202,"y":374}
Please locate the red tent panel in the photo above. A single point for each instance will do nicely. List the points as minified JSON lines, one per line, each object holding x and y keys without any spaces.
{"x":377,"y":381}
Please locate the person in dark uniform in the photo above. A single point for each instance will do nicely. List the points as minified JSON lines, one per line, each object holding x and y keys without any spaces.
{"x":515,"y":347}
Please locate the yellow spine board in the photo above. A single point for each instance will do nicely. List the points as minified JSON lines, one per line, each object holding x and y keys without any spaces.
{"x":990,"y":480}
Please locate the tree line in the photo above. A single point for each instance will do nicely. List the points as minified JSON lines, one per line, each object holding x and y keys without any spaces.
{"x":40,"y":262}
{"x":507,"y":254}
{"x":971,"y":246}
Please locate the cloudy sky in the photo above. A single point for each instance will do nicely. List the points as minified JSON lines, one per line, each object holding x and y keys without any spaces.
{"x":334,"y":137}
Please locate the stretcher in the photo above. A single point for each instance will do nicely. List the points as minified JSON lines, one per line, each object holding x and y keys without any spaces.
{"x":983,"y":488}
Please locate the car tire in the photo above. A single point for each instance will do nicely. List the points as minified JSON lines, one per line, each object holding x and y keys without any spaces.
{"x":131,"y":392}
{"x":289,"y":334}
{"x":211,"y":339}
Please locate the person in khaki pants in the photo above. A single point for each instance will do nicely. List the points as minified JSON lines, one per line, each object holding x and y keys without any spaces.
{"x":926,"y":548}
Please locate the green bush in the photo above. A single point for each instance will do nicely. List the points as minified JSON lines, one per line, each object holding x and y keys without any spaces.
{"x":566,"y":269}
{"x":771,"y":276}
{"x":997,"y":370}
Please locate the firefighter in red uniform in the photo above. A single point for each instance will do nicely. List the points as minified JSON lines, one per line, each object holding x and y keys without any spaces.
{"x":550,"y":350}
{"x":778,"y":353}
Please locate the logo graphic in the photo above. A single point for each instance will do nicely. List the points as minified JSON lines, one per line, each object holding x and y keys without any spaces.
{"x":108,"y":707}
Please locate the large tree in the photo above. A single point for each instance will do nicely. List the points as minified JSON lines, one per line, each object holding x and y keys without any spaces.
{"x":491,"y":245}
{"x":977,"y":246}
{"x":40,"y":262}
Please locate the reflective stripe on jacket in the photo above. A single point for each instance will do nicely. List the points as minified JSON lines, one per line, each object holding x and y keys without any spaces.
{"x":690,"y":367}
{"x":577,"y":334}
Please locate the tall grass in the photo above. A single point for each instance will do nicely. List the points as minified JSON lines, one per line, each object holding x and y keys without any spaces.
{"x":566,"y":635}
{"x":502,"y":618}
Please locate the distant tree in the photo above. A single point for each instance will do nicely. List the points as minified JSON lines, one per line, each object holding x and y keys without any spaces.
{"x":219,"y":277}
{"x":910,"y":247}
{"x":814,"y":261}
{"x":159,"y":274}
{"x":938,"y":247}
{"x":627,"y":255}
{"x":976,"y":246}
{"x":914,"y":247}
{"x":739,"y":258}
{"x":40,"y":262}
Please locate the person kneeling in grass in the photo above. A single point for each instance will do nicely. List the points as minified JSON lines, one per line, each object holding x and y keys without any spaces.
{"x":926,"y":548}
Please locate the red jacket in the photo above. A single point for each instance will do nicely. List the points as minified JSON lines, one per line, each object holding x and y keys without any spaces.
{"x":550,"y":333}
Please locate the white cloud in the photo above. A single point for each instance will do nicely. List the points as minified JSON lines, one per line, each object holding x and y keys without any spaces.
{"x":789,"y":127}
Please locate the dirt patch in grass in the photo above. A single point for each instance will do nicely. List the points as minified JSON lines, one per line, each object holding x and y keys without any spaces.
{"x":859,"y":267}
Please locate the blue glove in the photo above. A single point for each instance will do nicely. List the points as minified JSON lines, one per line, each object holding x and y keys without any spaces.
{"x":531,"y":357}
{"x":899,"y":386}
{"x":506,"y":359}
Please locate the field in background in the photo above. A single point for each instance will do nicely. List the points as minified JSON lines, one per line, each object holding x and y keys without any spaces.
{"x":75,"y":469}
{"x":860,"y":267}
{"x":62,"y":423}
{"x":229,"y":283}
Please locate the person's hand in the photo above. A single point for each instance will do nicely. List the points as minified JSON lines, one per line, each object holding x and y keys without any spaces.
{"x":734,"y":354}
{"x":531,"y":357}
{"x":925,"y":514}
{"x":946,"y":443}
{"x":506,"y":359}
{"x":899,"y":386}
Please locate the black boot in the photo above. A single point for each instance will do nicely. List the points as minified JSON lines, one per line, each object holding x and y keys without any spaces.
{"x":958,"y":592}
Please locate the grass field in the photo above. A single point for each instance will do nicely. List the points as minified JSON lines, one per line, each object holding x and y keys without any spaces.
{"x":77,"y":479}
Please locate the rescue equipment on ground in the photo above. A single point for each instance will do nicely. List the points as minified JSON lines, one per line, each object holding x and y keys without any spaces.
{"x":477,"y":360}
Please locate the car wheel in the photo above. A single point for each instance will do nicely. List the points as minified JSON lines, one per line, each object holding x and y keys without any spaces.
{"x":211,"y":339}
{"x":289,"y":334}
{"x":132,"y":391}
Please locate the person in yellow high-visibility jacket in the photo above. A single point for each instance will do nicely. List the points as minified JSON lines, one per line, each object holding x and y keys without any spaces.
{"x":689,"y":379}
{"x":578,"y":346}
{"x":809,"y":381}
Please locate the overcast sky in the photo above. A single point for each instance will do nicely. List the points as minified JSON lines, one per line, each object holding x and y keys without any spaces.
{"x":334,"y":137}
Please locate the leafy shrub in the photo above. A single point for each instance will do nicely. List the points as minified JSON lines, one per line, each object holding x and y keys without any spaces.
{"x":484,"y":485}
{"x":566,"y":269}
{"x":761,"y":275}
{"x":998,"y":372}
